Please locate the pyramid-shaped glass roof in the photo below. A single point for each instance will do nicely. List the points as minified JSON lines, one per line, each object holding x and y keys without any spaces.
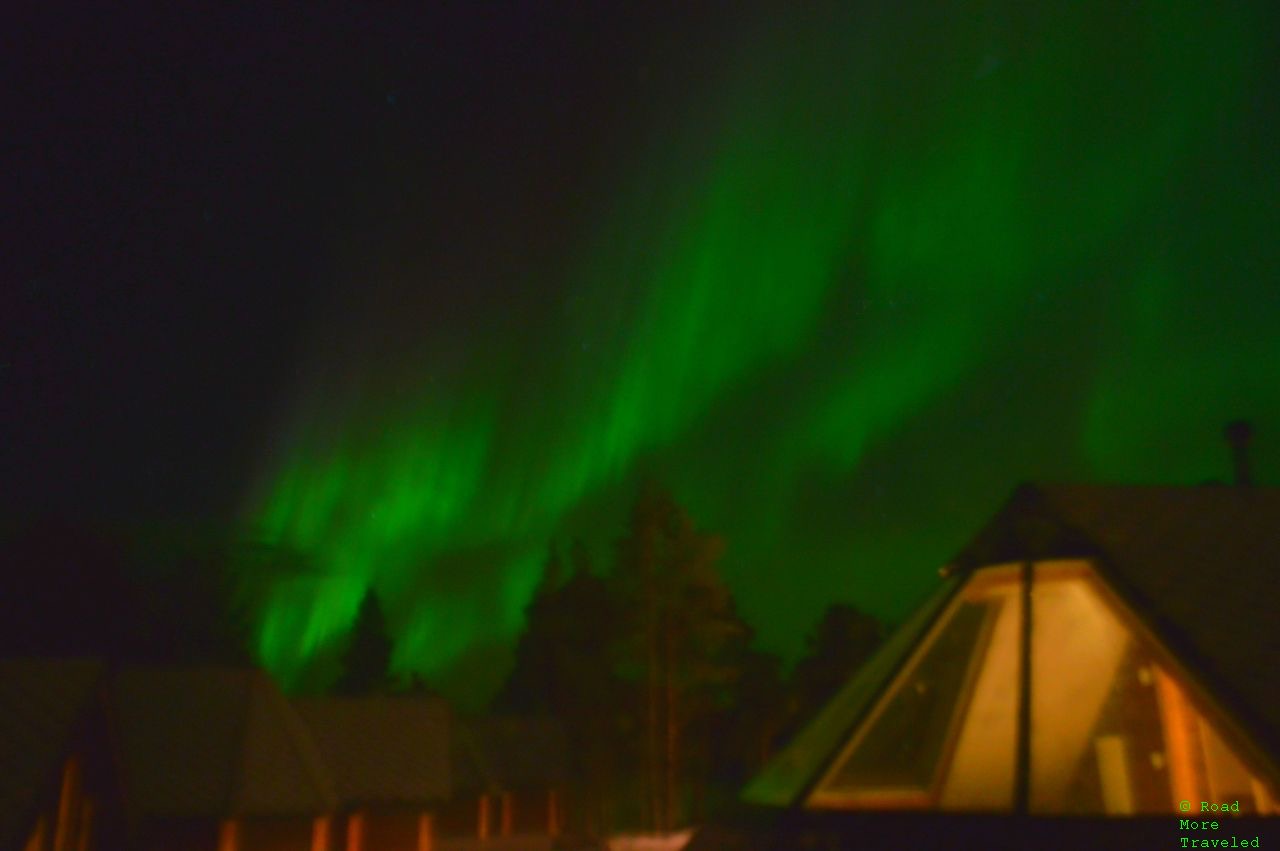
{"x":973,"y":706}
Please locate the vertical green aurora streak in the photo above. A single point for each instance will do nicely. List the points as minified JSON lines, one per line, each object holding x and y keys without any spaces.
{"x":871,"y":212}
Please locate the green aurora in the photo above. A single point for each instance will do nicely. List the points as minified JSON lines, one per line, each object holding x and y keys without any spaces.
{"x":856,"y":282}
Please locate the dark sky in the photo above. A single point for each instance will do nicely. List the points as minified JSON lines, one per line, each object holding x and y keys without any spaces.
{"x":189,"y":189}
{"x":415,"y":291}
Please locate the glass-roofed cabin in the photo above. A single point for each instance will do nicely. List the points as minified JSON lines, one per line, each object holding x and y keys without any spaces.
{"x":1095,"y":657}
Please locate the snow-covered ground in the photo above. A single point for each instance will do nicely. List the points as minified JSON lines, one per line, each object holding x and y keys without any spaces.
{"x":650,"y":841}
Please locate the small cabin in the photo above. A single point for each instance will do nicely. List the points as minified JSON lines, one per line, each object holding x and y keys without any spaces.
{"x":216,"y":759}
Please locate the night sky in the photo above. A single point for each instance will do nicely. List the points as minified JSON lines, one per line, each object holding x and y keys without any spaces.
{"x":416,"y":292}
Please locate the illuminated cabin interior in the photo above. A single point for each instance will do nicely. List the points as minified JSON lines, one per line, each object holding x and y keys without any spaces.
{"x":1135,"y":683}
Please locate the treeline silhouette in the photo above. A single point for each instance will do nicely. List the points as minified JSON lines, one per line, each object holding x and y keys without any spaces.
{"x":669,"y":705}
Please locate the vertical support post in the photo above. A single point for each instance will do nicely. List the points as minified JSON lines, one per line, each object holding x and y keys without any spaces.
{"x":36,"y":842}
{"x":85,"y":833}
{"x":482,"y":817}
{"x":64,"y":831}
{"x":355,"y":831}
{"x":229,"y":835}
{"x":426,"y":836}
{"x":553,"y":815}
{"x":507,"y":814}
{"x":321,"y":831}
{"x":1262,"y":803}
{"x":1022,"y":765}
{"x":1187,"y":777}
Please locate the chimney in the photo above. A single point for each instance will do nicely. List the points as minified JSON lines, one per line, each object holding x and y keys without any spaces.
{"x":1238,"y":433}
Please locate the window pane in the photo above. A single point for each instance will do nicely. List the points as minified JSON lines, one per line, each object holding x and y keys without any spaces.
{"x":980,"y":774}
{"x":903,"y":746}
{"x":1113,"y":732}
{"x":1083,"y":678}
{"x":923,"y":728}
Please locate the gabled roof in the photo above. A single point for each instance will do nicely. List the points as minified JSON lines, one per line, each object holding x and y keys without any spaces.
{"x":382,"y":749}
{"x":214,"y":742}
{"x":1199,"y":565}
{"x":507,"y":754}
{"x":42,"y":704}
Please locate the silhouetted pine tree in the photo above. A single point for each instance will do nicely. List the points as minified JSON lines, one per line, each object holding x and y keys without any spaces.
{"x":563,"y":668}
{"x":681,"y":641}
{"x":368,"y":656}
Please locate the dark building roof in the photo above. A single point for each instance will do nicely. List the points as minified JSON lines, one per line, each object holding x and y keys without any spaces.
{"x":43,"y":703}
{"x":507,"y":754}
{"x":382,"y":749}
{"x":214,"y":742}
{"x":1200,"y":565}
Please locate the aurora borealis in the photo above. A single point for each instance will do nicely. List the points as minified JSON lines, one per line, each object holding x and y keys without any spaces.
{"x":840,"y":277}
{"x":846,"y":236}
